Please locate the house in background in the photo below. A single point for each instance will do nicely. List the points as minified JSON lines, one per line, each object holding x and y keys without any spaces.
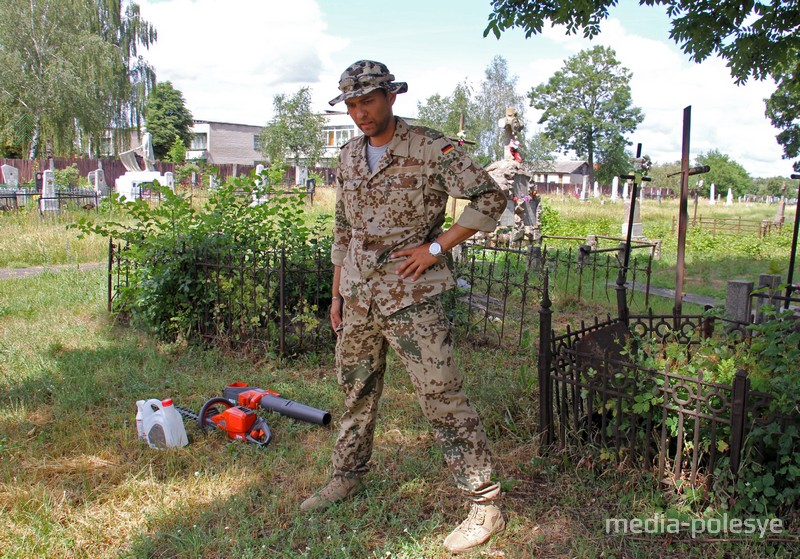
{"x":561,"y":176}
{"x":219,"y":143}
{"x":339,"y":129}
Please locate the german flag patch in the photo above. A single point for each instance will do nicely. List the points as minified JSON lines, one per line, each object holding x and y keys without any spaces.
{"x":447,"y":149}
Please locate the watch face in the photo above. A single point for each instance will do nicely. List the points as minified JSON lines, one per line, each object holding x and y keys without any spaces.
{"x":435,"y":249}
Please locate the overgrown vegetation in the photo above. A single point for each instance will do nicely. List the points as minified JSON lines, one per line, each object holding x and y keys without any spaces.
{"x":167,"y":244}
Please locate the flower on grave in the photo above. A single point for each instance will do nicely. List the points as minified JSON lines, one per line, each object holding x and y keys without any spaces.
{"x":643,"y":164}
{"x":515,"y":151}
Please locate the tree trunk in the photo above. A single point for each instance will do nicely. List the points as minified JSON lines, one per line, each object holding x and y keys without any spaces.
{"x":34,"y":140}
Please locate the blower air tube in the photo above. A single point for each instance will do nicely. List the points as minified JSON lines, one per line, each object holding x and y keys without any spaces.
{"x":295,"y":410}
{"x":289,"y":408}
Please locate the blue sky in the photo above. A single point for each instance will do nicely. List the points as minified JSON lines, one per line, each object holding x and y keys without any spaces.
{"x":230,"y":58}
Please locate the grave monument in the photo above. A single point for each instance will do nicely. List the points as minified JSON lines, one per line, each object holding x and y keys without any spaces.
{"x":130,"y":185}
{"x":10,"y":175}
{"x":515,"y":179}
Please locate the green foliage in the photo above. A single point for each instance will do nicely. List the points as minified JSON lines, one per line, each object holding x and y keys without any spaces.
{"x":168,"y":120}
{"x":69,"y":177}
{"x":613,"y":160}
{"x":71,"y":70}
{"x":448,"y":114}
{"x":294,"y":131}
{"x":756,"y":39}
{"x":167,"y":293}
{"x":767,"y":483}
{"x":724,"y":174}
{"x":667,"y":175}
{"x":588,"y":108}
{"x":177,"y":152}
{"x":770,"y":186}
{"x":549,"y":219}
{"x":480,"y":108}
{"x":783,"y":110}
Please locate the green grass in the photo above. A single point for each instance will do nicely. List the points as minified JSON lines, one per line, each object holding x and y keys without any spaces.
{"x":75,"y":481}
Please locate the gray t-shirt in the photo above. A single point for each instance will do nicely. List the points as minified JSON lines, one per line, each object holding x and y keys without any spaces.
{"x":373,"y":155}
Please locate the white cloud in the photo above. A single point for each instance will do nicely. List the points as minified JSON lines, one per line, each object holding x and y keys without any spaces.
{"x":230,"y":58}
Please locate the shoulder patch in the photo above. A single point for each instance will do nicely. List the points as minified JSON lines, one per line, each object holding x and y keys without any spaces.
{"x":447,"y":149}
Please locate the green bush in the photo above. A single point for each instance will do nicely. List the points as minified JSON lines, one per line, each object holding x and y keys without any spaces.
{"x":166,"y":244}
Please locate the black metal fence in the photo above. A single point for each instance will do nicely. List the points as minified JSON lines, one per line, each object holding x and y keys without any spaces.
{"x":14,"y":199}
{"x":499,"y":286}
{"x":592,"y":391}
{"x":274,"y":302}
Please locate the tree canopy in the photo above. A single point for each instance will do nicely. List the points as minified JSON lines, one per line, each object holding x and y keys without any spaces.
{"x":71,"y":71}
{"x":295,"y":131}
{"x":725,"y":173}
{"x":587,"y":106}
{"x":756,"y":39}
{"x":753,"y":37}
{"x":496,"y":93}
{"x":481,"y":108}
{"x":167,"y":118}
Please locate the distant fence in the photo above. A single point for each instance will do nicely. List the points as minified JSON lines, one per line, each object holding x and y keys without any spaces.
{"x":113,"y":168}
{"x":14,"y":199}
{"x":733,"y":226}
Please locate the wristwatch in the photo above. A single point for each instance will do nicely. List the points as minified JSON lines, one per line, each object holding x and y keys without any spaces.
{"x":435,"y":249}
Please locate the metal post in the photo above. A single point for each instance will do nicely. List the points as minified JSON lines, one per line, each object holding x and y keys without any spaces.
{"x":738,"y":416}
{"x":790,"y":276}
{"x":683,"y":213}
{"x":545,"y":358}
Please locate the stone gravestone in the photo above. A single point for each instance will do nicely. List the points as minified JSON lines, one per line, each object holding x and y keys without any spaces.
{"x":10,"y":175}
{"x":729,"y":198}
{"x":737,"y":300}
{"x":596,"y":191}
{"x":637,"y":221}
{"x":98,"y":180}
{"x":170,"y":181}
{"x":584,"y":186}
{"x":48,"y":202}
{"x":625,"y":191}
{"x":712,"y":198}
{"x":614,"y":189}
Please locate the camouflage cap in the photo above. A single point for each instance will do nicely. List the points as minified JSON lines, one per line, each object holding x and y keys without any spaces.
{"x":364,"y":76}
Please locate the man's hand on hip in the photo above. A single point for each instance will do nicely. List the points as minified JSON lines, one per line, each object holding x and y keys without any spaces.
{"x":417,"y":260}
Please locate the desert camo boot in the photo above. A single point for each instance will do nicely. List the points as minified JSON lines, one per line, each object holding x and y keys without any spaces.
{"x":483,"y":521}
{"x":338,"y":489}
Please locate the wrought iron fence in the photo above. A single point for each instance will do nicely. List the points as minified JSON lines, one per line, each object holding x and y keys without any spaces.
{"x":14,"y":199}
{"x":273,"y":302}
{"x":497,"y":284}
{"x":257,"y":296}
{"x":591,"y":391}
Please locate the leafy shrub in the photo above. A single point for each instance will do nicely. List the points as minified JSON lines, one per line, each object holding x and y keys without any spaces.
{"x":168,"y":245}
{"x":768,"y":481}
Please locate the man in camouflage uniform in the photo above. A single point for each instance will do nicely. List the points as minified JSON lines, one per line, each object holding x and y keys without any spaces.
{"x":389,"y":268}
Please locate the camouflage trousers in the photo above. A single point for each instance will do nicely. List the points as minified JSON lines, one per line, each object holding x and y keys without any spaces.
{"x":421,"y":337}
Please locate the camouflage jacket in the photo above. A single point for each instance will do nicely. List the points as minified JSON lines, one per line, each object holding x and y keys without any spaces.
{"x":402,"y":205}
